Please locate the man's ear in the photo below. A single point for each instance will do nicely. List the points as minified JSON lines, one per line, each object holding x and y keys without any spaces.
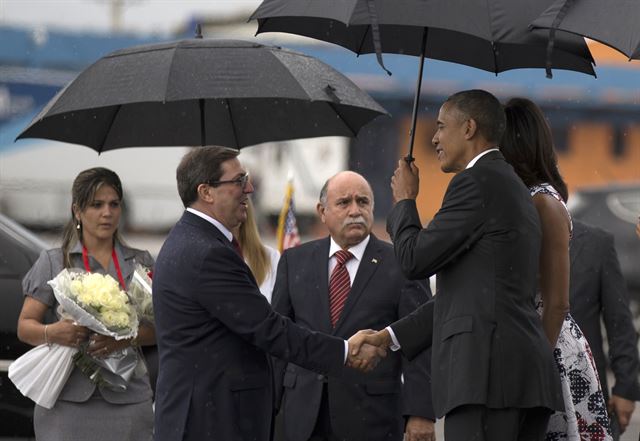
{"x":471,"y":128}
{"x":205,"y":193}
{"x":320,"y":209}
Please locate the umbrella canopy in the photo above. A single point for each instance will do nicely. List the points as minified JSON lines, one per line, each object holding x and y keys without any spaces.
{"x":492,"y":35}
{"x":611,"y":22}
{"x":203,"y":92}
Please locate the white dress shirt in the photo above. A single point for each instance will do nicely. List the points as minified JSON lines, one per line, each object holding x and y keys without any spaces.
{"x":209,"y":219}
{"x":474,"y":160}
{"x":353,"y":264}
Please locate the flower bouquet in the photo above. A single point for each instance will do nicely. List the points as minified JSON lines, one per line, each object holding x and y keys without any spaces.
{"x":140,"y":293}
{"x":95,"y":301}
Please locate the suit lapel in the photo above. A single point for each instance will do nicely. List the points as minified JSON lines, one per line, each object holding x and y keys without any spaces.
{"x":214,"y":234}
{"x":370,"y":261}
{"x":320,"y":260}
{"x":207,"y":227}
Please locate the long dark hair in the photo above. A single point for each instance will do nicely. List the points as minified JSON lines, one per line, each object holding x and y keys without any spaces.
{"x":83,"y":191}
{"x":527,"y":145}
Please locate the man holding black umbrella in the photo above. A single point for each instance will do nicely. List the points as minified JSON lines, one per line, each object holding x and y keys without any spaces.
{"x":493,"y":371}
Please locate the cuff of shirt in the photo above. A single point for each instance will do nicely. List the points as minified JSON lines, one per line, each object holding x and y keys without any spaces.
{"x":346,"y":351}
{"x":396,"y":344}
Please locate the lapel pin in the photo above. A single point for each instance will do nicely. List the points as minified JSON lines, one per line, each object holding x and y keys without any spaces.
{"x":374,"y":260}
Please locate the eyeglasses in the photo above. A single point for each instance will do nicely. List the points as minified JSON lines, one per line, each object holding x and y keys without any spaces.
{"x":240,"y":181}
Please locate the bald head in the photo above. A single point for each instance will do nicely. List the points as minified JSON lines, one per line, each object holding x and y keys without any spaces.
{"x":346,"y":208}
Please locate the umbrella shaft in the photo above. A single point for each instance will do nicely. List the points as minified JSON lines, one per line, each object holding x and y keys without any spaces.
{"x":416,"y":100}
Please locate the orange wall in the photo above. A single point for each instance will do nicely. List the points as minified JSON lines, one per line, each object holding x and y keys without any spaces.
{"x":433,"y":182}
{"x":605,"y":55}
{"x":589,"y":160}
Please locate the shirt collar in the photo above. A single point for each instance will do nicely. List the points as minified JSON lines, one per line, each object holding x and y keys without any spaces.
{"x":474,"y":160}
{"x":121,"y":251}
{"x":211,"y":220}
{"x":357,"y":250}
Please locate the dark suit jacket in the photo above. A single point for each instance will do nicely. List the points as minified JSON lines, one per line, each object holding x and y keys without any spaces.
{"x":213,"y":330}
{"x":362,"y":406}
{"x":488,"y":344}
{"x":598,"y":290}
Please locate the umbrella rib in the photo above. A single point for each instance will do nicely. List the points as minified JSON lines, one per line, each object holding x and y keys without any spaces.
{"x":108,"y":129}
{"x":364,"y":37}
{"x":233,"y":125}
{"x":344,"y":121}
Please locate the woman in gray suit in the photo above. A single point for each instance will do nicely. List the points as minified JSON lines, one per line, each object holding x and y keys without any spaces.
{"x":90,"y":241}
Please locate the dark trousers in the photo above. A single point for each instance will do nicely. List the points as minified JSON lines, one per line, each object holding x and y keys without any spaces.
{"x":322,"y":430}
{"x":479,"y":423}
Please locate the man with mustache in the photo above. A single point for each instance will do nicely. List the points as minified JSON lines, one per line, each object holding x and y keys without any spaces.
{"x":337,"y":285}
{"x":214,"y":328}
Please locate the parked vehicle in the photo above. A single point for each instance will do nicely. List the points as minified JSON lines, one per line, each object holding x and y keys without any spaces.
{"x":19,"y":249}
{"x":614,"y":209}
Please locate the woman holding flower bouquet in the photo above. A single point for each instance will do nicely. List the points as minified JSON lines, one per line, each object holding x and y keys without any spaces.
{"x":91,"y":408}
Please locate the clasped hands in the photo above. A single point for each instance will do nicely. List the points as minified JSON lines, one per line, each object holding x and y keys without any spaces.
{"x":367,"y":348}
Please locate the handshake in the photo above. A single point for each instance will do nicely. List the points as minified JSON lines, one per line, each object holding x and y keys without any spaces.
{"x":367,"y":348}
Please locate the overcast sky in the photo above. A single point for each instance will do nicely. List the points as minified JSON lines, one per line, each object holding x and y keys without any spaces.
{"x":159,"y":16}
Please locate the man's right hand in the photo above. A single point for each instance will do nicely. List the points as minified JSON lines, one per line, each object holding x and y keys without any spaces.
{"x":366,"y":347}
{"x":623,"y":409}
{"x":405,"y":182}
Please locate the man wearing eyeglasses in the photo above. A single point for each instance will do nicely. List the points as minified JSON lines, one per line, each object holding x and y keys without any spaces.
{"x":213,"y":327}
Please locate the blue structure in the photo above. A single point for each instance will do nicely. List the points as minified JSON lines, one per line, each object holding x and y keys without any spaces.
{"x":35,"y":64}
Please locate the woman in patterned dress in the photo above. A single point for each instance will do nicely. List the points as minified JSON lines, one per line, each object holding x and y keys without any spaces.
{"x":527,"y":145}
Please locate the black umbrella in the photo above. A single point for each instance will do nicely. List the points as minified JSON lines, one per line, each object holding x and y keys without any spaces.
{"x":492,"y":35}
{"x":611,"y":22}
{"x":203,"y":92}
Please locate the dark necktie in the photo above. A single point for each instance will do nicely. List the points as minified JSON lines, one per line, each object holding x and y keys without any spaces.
{"x":236,"y":245}
{"x":339,"y":286}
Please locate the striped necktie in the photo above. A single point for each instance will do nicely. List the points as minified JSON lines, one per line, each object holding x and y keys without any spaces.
{"x":339,"y":286}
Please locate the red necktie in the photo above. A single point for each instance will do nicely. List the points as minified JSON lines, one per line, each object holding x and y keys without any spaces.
{"x":236,"y":246}
{"x":339,"y":286}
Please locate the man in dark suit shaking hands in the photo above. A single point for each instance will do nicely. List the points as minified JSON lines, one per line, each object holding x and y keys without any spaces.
{"x":214,"y":328}
{"x":357,"y":406}
{"x":493,"y":372}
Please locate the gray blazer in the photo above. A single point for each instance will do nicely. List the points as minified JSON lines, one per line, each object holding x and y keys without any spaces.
{"x":79,"y":388}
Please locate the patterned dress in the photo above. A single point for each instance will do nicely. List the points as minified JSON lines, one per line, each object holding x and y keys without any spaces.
{"x":585,"y":417}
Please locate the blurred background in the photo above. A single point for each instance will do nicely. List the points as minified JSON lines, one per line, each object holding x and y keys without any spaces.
{"x":45,"y":44}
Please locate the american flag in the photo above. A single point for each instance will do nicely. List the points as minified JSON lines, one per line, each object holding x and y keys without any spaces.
{"x":288,"y":236}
